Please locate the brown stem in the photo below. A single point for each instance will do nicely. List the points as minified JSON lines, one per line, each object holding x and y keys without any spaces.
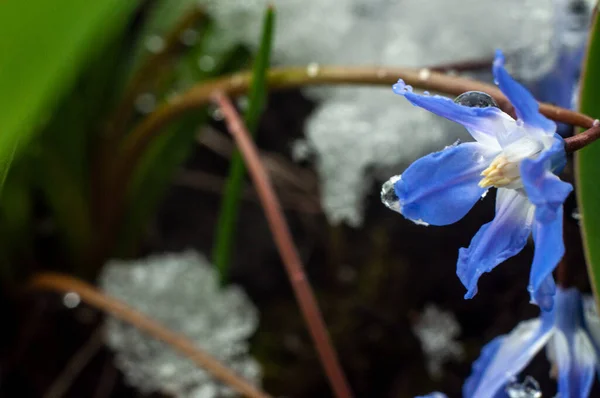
{"x":583,"y":139}
{"x":287,"y":249}
{"x":76,"y":364}
{"x":63,"y":284}
{"x":279,"y":78}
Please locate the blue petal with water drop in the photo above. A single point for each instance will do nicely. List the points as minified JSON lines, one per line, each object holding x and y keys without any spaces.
{"x":507,"y":358}
{"x":502,"y":238}
{"x":526,"y":107}
{"x":484,"y":124}
{"x":440,"y":188}
{"x":480,"y":366}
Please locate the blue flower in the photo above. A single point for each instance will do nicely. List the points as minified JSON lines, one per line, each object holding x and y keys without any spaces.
{"x":571,"y":335}
{"x":519,"y":157}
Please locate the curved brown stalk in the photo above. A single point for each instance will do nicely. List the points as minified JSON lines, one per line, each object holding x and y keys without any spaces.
{"x":93,"y":297}
{"x":287,"y":248}
{"x":288,"y":77}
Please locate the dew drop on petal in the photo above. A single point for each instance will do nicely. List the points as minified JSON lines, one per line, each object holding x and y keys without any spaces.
{"x":388,"y":194}
{"x":455,"y":143}
{"x":530,"y":388}
{"x":476,"y":99}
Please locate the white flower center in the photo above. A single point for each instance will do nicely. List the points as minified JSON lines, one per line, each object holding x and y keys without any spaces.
{"x":504,"y":170}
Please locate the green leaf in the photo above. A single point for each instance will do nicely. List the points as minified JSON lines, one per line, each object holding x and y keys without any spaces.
{"x":170,"y":149}
{"x":587,"y":162}
{"x":43,"y":46}
{"x":228,"y":215}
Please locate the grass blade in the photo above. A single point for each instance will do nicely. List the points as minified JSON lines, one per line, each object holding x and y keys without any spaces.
{"x":43,"y":45}
{"x":228,"y":215}
{"x":587,"y":162}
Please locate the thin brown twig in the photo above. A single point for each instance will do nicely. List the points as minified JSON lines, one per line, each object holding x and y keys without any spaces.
{"x":76,"y":364}
{"x":280,"y":78}
{"x":287,"y":249}
{"x":63,"y":283}
{"x":584,"y":138}
{"x":107,"y":380}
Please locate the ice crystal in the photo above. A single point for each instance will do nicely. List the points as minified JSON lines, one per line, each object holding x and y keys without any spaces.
{"x":182,"y":292}
{"x":437,"y":329}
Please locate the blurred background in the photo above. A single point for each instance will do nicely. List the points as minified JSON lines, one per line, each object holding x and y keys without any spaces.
{"x":170,"y":231}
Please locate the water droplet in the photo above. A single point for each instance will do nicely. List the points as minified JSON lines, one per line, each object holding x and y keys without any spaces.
{"x":312,"y":70}
{"x":476,"y":99}
{"x":71,"y":300}
{"x":455,"y":143}
{"x":206,"y":63}
{"x":188,"y":37}
{"x":519,"y":123}
{"x":426,"y":93}
{"x":424,"y":74}
{"x":346,"y":274}
{"x":530,"y":388}
{"x":217,"y":114}
{"x":381,"y":73}
{"x":155,"y":44}
{"x":242,"y":102}
{"x":145,"y":103}
{"x":388,"y":194}
{"x":576,"y":215}
{"x":596,"y":123}
{"x":173,"y":97}
{"x":478,"y":157}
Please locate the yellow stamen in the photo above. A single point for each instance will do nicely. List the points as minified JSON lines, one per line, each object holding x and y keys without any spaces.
{"x":495,"y":176}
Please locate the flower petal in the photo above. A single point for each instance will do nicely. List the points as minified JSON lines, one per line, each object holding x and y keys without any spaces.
{"x":440,"y":188}
{"x":549,"y":250}
{"x":480,"y":365}
{"x":544,"y":189}
{"x":526,"y":107}
{"x":511,"y":356}
{"x":496,"y":241}
{"x":570,"y":347}
{"x":543,"y":295}
{"x":433,"y":395}
{"x":484,"y":124}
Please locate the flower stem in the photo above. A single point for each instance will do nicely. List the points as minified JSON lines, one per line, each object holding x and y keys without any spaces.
{"x":584,"y":138}
{"x":287,"y":248}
